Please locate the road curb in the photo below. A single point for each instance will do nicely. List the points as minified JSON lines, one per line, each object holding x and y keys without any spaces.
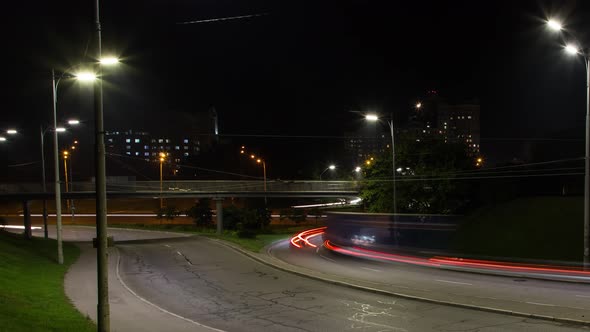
{"x":389,"y":293}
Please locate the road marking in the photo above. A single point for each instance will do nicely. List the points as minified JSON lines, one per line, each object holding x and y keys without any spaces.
{"x":454,"y":282}
{"x":366,"y":268}
{"x":544,"y":304}
{"x":179,"y":253}
{"x":166,"y":246}
{"x":586,"y":296}
{"x":330,"y":259}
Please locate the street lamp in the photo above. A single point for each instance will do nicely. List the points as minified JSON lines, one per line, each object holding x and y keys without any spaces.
{"x":54,"y":85}
{"x":162,"y":159}
{"x":373,"y":117}
{"x":264,"y":174}
{"x":573,"y":49}
{"x":331,"y":167}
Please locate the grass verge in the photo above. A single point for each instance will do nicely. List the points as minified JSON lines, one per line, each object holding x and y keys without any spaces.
{"x":546,"y":228}
{"x":32,"y":296}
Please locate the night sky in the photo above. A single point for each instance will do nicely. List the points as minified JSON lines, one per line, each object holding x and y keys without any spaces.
{"x":304,"y":68}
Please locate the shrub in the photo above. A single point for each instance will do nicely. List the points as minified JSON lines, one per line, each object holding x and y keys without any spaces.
{"x":201,"y":212}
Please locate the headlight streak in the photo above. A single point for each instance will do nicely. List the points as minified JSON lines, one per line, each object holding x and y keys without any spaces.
{"x":303,"y":239}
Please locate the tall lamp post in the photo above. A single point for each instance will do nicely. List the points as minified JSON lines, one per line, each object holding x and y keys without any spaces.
{"x":83,"y":76}
{"x":331,"y":167}
{"x":575,"y":49}
{"x":373,"y":118}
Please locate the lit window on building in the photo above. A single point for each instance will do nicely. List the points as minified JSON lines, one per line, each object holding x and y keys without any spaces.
{"x":167,"y":141}
{"x":146,"y":147}
{"x":177,"y":147}
{"x":147,"y":154}
{"x":469,"y":117}
{"x":153,"y":140}
{"x":186,"y":154}
{"x":137,"y":153}
{"x":128,"y":140}
{"x":137,"y":140}
{"x":110,"y":140}
{"x":154,"y":154}
{"x":186,"y":147}
{"x":128,"y":153}
{"x":185,"y":141}
{"x":177,"y":160}
{"x":128,"y":147}
{"x":160,"y":140}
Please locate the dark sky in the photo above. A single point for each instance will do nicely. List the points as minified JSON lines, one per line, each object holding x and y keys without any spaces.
{"x":301,"y":68}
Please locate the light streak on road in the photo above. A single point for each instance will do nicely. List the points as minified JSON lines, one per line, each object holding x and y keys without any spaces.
{"x":303,"y":239}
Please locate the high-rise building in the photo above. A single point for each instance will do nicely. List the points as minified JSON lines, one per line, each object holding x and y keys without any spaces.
{"x":460,"y":123}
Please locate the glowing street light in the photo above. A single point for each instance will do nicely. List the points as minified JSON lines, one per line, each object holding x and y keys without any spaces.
{"x":418,"y":105}
{"x":554,"y":25}
{"x":109,"y":61}
{"x":371,"y":117}
{"x":73,"y":122}
{"x":85,"y":76}
{"x":12,"y":132}
{"x":357,"y":169}
{"x":2,"y":139}
{"x":572,"y":49}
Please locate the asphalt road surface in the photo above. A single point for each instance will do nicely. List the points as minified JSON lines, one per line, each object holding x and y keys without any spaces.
{"x":207,"y":282}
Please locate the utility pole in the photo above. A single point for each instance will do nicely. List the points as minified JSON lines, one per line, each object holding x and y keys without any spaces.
{"x":103,"y":311}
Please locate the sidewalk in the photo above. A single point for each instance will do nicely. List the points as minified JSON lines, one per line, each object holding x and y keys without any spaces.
{"x":129,"y":313}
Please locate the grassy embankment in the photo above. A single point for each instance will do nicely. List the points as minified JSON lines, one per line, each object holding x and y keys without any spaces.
{"x":32,"y":294}
{"x":547,"y":228}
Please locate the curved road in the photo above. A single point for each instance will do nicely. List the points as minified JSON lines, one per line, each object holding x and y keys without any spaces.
{"x":567,"y":300}
{"x":208,"y":282}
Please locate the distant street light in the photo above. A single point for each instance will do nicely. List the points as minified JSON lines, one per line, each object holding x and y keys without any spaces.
{"x":572,"y":49}
{"x":162,"y":159}
{"x":331,"y":167}
{"x":73,"y":122}
{"x":418,"y":105}
{"x":357,"y":169}
{"x":12,"y":132}
{"x":258,"y":161}
{"x":2,"y":139}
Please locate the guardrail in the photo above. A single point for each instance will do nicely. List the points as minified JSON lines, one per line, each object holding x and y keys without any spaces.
{"x":194,"y":186}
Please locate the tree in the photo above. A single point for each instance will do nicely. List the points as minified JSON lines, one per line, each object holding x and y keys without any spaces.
{"x":425,"y":178}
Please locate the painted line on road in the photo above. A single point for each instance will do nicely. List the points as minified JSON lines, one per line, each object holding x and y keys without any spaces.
{"x":167,"y":245}
{"x":454,"y":282}
{"x":585,"y":296}
{"x":543,"y":304}
{"x":155,"y":305}
{"x":179,"y":253}
{"x":366,"y":268}
{"x":326,"y":258}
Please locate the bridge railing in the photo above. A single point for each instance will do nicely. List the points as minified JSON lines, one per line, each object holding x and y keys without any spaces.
{"x":194,"y":186}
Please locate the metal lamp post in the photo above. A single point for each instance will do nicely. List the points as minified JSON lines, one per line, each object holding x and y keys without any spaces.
{"x":574,"y":49}
{"x":54,"y":85}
